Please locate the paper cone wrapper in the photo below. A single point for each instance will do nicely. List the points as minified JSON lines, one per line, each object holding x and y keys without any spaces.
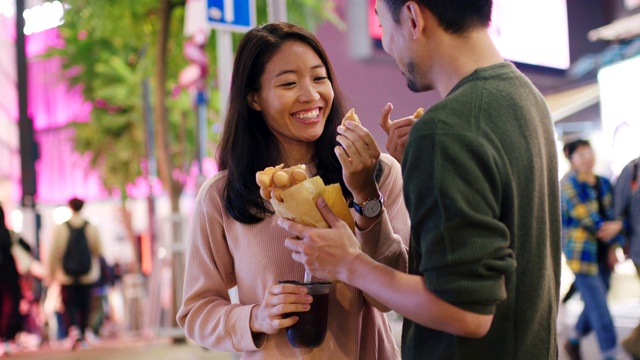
{"x":299,"y":203}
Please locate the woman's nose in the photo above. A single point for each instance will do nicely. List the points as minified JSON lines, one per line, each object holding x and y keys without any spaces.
{"x":308,"y":93}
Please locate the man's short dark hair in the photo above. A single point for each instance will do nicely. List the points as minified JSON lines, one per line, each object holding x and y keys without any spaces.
{"x":76,"y":204}
{"x":455,"y":16}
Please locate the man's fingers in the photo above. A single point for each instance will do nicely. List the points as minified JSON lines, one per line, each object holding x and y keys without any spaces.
{"x":401,"y":126}
{"x":332,"y":219}
{"x":292,"y":227}
{"x":385,"y":119}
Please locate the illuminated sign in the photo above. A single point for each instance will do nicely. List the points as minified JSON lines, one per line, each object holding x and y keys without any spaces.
{"x":6,"y":8}
{"x":619,"y":109}
{"x":232,"y":15}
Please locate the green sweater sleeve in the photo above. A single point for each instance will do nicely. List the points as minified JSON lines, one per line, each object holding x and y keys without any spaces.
{"x":453,"y":194}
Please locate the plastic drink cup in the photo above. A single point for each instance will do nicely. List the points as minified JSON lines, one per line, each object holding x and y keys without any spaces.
{"x":311,"y":328}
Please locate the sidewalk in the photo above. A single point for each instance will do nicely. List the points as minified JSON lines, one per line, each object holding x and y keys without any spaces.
{"x":624,"y":305}
{"x":127,"y":348}
{"x":626,"y":316}
{"x":624,"y":300}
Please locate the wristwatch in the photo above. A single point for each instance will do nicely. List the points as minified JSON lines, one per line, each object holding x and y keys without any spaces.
{"x":371,"y":208}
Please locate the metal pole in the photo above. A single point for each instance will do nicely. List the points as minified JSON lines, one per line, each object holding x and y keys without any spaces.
{"x":152,"y":166}
{"x":201,"y":101}
{"x":224,"y":49}
{"x":28,"y":149}
{"x":360,"y":44}
{"x":276,"y":10}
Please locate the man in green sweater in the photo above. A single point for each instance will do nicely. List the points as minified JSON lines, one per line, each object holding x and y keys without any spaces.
{"x":481,"y":186}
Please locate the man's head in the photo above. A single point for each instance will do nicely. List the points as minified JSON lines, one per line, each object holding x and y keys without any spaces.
{"x":455,"y":16}
{"x":75,"y":204}
{"x":413,"y":33}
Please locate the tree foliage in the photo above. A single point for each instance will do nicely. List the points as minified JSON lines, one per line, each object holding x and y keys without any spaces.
{"x":111,"y":51}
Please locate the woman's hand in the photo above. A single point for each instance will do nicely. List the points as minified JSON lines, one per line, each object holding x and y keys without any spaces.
{"x":279,"y":299}
{"x":359,"y":156}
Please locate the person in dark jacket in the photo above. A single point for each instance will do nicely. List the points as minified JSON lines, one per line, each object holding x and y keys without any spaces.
{"x":10,"y":293}
{"x":626,"y":204}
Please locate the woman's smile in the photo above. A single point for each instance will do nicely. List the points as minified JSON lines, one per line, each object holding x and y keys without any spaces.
{"x":308,"y":116}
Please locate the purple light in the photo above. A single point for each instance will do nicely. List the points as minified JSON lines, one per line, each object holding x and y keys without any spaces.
{"x":61,"y":172}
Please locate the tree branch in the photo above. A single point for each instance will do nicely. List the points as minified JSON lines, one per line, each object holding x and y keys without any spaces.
{"x":177,"y":3}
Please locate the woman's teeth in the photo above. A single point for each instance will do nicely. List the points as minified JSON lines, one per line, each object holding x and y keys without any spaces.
{"x":309,"y":115}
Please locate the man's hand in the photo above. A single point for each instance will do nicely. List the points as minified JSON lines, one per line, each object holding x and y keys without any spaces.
{"x":326,"y":253}
{"x":397,"y":132}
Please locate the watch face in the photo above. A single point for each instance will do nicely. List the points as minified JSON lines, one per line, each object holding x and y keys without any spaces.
{"x":372,"y":208}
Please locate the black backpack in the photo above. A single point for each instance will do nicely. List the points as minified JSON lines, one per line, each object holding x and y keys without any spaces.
{"x":76,"y":260}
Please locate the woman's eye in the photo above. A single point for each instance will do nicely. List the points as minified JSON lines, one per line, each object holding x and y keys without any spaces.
{"x":321,"y":78}
{"x":288,"y":84}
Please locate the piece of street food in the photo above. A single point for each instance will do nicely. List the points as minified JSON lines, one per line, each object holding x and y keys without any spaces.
{"x":293,"y":195}
{"x":275,"y":179}
{"x":418,"y":113}
{"x":351,"y":116}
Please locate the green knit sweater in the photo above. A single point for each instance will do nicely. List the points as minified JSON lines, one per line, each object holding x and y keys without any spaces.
{"x":481,"y":186}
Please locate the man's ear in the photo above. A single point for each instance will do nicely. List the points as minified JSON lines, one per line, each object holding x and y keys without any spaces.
{"x":414,"y":16}
{"x":253,"y":102}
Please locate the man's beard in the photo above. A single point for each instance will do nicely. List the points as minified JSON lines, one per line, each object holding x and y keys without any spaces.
{"x":410,"y":76}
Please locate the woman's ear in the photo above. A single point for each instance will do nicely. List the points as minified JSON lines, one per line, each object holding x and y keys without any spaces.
{"x":253,"y":102}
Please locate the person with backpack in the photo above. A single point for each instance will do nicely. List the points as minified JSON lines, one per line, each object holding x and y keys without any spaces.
{"x":74,"y":263}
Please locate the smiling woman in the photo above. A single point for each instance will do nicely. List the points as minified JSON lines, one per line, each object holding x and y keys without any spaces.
{"x":285,"y":108}
{"x":295,"y":99}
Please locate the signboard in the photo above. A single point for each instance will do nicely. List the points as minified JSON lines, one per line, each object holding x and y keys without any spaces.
{"x":620,"y":114}
{"x":231,"y":15}
{"x":631,"y":4}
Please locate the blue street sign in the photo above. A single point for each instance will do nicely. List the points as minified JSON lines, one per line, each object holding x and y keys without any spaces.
{"x":232,"y":15}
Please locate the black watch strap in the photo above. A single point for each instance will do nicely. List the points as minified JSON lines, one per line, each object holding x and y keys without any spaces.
{"x":370,"y":208}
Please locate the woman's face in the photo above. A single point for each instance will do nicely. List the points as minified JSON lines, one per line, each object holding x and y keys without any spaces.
{"x":583,"y":159}
{"x":295,"y":94}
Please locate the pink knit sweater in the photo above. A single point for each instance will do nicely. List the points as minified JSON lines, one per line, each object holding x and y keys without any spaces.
{"x":223,"y":253}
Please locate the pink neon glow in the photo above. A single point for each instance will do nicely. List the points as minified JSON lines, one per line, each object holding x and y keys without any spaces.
{"x":375,"y":31}
{"x":61,"y":173}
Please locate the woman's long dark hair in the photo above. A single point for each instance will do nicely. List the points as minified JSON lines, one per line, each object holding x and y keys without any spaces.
{"x":247,"y":145}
